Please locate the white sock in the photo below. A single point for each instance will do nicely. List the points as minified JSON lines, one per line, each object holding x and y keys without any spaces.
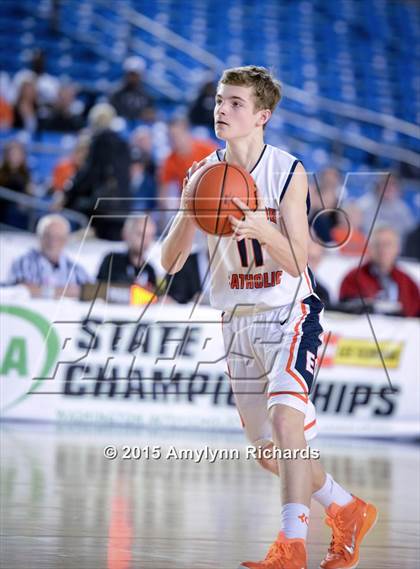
{"x":332,"y":492}
{"x":295,"y":520}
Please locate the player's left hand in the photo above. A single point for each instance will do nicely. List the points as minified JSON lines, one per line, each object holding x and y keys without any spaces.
{"x":255,"y":223}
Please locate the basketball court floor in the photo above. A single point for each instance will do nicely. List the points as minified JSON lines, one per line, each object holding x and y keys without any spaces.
{"x":65,"y":506}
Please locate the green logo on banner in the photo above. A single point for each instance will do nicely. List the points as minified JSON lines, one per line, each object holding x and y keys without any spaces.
{"x":15,"y":357}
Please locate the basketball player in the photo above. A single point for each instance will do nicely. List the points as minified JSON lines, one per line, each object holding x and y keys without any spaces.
{"x":271,"y":319}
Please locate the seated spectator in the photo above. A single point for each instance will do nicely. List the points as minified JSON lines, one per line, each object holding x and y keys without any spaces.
{"x":131,"y":100}
{"x":202,"y":109}
{"x":384,"y":287}
{"x":46,"y":85}
{"x":104,"y":177}
{"x":14,"y":171}
{"x":48,"y":271}
{"x":412,"y":244}
{"x":141,"y":143}
{"x":184,"y":151}
{"x":347,"y":233}
{"x":315,"y":254}
{"x":325,"y":192}
{"x":67,"y":168}
{"x":14,"y":175}
{"x":130,"y":267}
{"x":143,"y":170}
{"x":66,"y":113}
{"x":392,"y":210}
{"x":25,"y":110}
{"x":142,"y":185}
{"x":187,"y":284}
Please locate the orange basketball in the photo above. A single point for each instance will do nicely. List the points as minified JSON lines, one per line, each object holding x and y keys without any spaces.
{"x":210,"y":200}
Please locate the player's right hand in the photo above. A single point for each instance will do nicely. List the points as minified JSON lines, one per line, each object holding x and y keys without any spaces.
{"x":196,"y":165}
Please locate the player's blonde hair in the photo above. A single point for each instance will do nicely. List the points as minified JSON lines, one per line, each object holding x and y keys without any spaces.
{"x":267,"y":89}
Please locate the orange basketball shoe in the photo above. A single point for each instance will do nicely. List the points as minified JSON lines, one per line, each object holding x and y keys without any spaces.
{"x":283,"y":554}
{"x":349,"y":525}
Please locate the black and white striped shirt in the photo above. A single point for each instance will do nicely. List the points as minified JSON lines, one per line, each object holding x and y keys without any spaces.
{"x":34,"y":268}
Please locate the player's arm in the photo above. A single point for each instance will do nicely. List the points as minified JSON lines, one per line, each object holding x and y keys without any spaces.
{"x":176,"y":246}
{"x":288,"y":246}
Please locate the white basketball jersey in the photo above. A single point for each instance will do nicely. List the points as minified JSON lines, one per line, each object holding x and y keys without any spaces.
{"x":242,"y":274}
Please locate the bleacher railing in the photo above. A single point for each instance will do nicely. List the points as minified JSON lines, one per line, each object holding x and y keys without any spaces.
{"x":35,"y":207}
{"x":339,"y":109}
{"x":113,"y":38}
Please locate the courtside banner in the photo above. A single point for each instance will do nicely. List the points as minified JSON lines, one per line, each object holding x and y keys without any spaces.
{"x":164,"y":365}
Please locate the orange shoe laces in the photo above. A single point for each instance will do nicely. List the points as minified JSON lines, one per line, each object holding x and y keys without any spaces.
{"x":340,"y":536}
{"x":279,"y":548}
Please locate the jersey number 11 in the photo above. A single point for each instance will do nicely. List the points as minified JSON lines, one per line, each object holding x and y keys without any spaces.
{"x":243,"y":253}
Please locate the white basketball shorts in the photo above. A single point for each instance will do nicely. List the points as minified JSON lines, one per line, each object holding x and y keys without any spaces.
{"x":272,"y":359}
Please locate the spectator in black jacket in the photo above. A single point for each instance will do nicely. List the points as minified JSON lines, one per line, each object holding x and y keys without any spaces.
{"x":201,"y":111}
{"x":130,"y":267}
{"x":131,"y":100}
{"x":192,"y":281}
{"x":104,"y":177}
{"x":66,"y":113}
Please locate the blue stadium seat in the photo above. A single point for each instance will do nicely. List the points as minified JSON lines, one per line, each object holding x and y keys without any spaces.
{"x":346,"y":50}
